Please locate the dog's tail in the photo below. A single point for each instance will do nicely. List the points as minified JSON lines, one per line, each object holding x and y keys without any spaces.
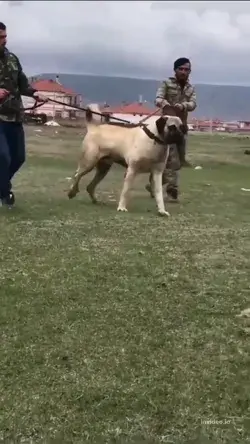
{"x":91,"y":117}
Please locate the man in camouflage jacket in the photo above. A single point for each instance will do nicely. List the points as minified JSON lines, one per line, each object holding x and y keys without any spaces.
{"x":176,"y":96}
{"x":13,"y":84}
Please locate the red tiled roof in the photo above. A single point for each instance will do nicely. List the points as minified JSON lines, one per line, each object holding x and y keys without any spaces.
{"x":136,"y":108}
{"x":52,"y":86}
{"x":131,"y":108}
{"x":106,"y":109}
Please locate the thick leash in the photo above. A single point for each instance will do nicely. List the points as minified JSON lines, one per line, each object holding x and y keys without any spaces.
{"x":38,"y":105}
{"x":102,"y":114}
{"x":84,"y":109}
{"x":30,"y":108}
{"x":35,"y":106}
{"x":139,"y":124}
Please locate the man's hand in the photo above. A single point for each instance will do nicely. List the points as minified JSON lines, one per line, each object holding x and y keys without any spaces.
{"x":3,"y":93}
{"x":164,"y":103}
{"x":161,"y":103}
{"x":40,"y":98}
{"x":179,"y":106}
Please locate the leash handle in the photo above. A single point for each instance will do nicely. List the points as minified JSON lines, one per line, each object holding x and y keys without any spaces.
{"x":147,"y":117}
{"x":35,"y":106}
{"x":6,"y":99}
{"x":171,"y":108}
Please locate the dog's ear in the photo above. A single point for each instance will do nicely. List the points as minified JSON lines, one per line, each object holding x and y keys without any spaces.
{"x":160,"y":124}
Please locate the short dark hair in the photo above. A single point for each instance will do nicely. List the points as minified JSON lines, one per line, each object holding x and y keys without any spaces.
{"x":2,"y":26}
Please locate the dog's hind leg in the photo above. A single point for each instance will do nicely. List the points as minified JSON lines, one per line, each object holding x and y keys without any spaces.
{"x":157,"y":178}
{"x":87,"y":163}
{"x":74,"y":189}
{"x":150,"y":186}
{"x":128,"y":182}
{"x":102,"y":169}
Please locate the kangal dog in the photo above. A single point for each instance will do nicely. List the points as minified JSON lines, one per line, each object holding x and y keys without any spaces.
{"x":139,"y":148}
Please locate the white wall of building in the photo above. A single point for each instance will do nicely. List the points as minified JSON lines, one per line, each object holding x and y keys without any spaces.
{"x":49,"y":108}
{"x":134,"y":119}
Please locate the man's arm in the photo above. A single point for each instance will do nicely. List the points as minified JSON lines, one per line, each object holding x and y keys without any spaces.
{"x":24,"y":87}
{"x":191,"y":104}
{"x":160,"y":100}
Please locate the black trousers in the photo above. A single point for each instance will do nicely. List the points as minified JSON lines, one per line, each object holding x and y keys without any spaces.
{"x":12,"y":154}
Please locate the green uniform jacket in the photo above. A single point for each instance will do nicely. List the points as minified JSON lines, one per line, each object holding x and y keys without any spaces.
{"x":14,"y":80}
{"x":171,"y":91}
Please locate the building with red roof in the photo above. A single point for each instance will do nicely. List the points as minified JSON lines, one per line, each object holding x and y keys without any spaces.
{"x":52,"y":86}
{"x":135,"y":109}
{"x":132,"y":112}
{"x":54,"y":90}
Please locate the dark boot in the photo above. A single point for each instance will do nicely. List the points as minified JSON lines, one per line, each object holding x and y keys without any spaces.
{"x":9,"y":200}
{"x":172,"y":193}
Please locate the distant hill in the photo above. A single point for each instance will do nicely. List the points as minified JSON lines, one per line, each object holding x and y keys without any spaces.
{"x":224,"y":102}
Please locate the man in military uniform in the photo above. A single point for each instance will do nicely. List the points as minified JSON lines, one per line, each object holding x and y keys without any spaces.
{"x":13,"y":84}
{"x":175,"y":96}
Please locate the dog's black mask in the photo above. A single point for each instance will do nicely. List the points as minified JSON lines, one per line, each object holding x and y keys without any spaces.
{"x":173,"y":134}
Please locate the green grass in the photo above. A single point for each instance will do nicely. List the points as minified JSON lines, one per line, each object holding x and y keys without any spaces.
{"x":122,"y":328}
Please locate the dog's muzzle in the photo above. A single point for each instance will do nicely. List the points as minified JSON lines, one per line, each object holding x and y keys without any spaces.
{"x":174,"y":135}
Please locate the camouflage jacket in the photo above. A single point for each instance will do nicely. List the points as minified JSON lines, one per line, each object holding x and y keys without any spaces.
{"x":172,"y":92}
{"x":14,"y":80}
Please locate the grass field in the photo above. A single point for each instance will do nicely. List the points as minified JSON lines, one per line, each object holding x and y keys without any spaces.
{"x":123,"y":328}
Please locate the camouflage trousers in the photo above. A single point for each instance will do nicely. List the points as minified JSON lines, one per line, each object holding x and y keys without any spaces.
{"x":171,"y":173}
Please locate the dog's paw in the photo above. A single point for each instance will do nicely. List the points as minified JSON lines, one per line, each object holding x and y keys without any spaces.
{"x":164,"y":213}
{"x":91,"y":195}
{"x":71,"y":194}
{"x":93,"y":200}
{"x":122,"y":209}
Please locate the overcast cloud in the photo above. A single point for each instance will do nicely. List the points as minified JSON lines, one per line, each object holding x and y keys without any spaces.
{"x":140,"y":39}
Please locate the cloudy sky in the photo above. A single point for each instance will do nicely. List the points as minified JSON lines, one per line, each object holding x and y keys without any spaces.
{"x":136,"y":39}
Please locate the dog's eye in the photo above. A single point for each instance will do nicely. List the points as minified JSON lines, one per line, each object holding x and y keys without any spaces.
{"x":172,"y":127}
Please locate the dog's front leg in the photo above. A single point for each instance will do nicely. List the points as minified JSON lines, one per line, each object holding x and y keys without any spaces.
{"x":157,"y":178}
{"x":128,"y":181}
